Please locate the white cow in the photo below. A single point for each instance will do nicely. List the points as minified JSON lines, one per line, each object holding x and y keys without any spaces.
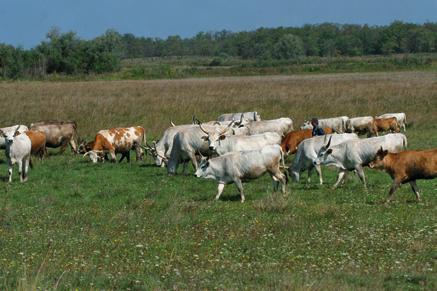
{"x":223,"y":144}
{"x":190,"y":142}
{"x":281,"y":126}
{"x":353,"y":155}
{"x":307,"y":152}
{"x":250,"y":116}
{"x":400,"y":117}
{"x":161,"y":150}
{"x":236,"y":167}
{"x":21,"y":129}
{"x":18,"y":147}
{"x":362,"y":125}
{"x":338,"y":124}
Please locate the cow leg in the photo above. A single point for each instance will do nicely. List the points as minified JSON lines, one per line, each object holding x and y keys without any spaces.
{"x":185,"y":167}
{"x":340,"y":177}
{"x":280,"y":178}
{"x":310,"y":171}
{"x":63,"y":146}
{"x":20,"y":169}
{"x":73,"y":145}
{"x":113,"y":156}
{"x":10,"y":171}
{"x":193,"y":160}
{"x":220,"y":188}
{"x":25,"y":169}
{"x":415,"y":189}
{"x":393,"y":188}
{"x":239,"y":185}
{"x":361,"y":175}
{"x":319,"y":173}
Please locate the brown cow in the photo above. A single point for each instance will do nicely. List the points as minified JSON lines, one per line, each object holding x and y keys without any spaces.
{"x":387,"y":124}
{"x":58,"y":133}
{"x":294,"y":138}
{"x":38,"y":140}
{"x":117,"y":140}
{"x":406,"y":167}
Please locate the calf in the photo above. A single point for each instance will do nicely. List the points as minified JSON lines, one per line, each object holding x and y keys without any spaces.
{"x":389,"y":124}
{"x":236,"y":167}
{"x":18,"y":147}
{"x":38,"y":141}
{"x":117,"y":140}
{"x":406,"y":167}
{"x":293,"y":139}
{"x":6,"y":130}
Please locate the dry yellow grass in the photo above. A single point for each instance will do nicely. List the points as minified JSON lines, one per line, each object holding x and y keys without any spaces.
{"x":102,"y":104}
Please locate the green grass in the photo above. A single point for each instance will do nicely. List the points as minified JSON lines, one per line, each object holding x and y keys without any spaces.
{"x":130,"y":226}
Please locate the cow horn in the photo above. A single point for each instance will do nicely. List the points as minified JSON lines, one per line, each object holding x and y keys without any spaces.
{"x":87,"y":153}
{"x":16,"y":130}
{"x":329,"y":142}
{"x":241,"y":118}
{"x":200,"y":125}
{"x":172,"y":123}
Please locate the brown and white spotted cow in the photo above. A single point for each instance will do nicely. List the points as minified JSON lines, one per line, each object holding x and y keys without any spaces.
{"x":117,"y":140}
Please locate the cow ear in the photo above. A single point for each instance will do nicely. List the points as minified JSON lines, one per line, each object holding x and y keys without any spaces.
{"x":384,"y":153}
{"x":222,"y":137}
{"x":205,"y":137}
{"x":329,"y":151}
{"x":16,"y":133}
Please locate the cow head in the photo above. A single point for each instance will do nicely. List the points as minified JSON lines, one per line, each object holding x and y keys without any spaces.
{"x":378,"y":161}
{"x":306,"y":125}
{"x":214,"y":138}
{"x":202,"y":170}
{"x":10,"y":135}
{"x":85,"y":147}
{"x":324,"y":153}
{"x":95,"y":156}
{"x":158,"y":156}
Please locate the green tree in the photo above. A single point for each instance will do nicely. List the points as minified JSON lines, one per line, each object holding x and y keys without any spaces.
{"x":289,"y":46}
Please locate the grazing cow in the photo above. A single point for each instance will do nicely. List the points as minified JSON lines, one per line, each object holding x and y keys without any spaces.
{"x":338,"y":124}
{"x":307,"y":152}
{"x":190,"y":142}
{"x":58,"y":133}
{"x":362,"y":125}
{"x":38,"y":141}
{"x":161,"y":150}
{"x":389,"y":124}
{"x":118,"y":140}
{"x":18,"y":147}
{"x":293,"y":139}
{"x":21,"y":129}
{"x":250,"y":116}
{"x":281,"y":126}
{"x":236,"y":167}
{"x":353,"y":155}
{"x":226,"y":144}
{"x":400,"y":117}
{"x":406,"y":167}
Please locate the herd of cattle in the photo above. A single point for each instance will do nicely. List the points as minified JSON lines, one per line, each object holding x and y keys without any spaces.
{"x":240,"y":146}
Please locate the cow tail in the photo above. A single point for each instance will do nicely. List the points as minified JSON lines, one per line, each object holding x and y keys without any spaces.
{"x":404,"y":142}
{"x":30,"y":162}
{"x":144,"y":137}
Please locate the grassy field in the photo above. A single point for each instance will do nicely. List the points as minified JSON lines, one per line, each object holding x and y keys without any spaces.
{"x":130,"y":226}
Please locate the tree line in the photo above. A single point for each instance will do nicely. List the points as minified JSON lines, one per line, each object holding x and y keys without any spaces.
{"x":66,"y":53}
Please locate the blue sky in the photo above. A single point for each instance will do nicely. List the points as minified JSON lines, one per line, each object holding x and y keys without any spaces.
{"x":26,"y":22}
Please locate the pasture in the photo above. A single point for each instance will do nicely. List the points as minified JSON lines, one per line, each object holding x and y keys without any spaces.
{"x":130,"y":226}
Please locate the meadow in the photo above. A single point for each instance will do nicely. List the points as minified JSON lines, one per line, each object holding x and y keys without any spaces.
{"x":130,"y":226}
